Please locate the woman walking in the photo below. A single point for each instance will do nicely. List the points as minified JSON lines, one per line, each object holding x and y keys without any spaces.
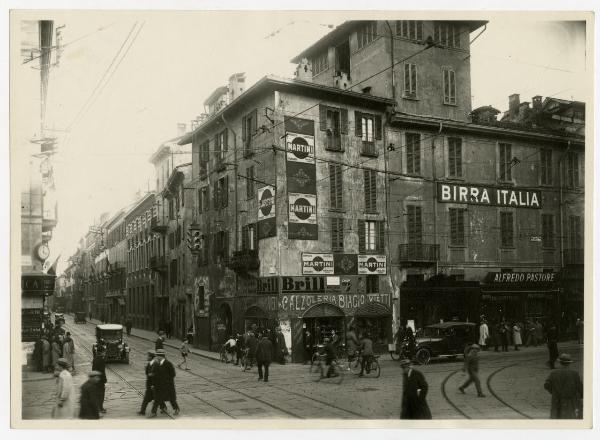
{"x":517,"y":336}
{"x":185,"y":351}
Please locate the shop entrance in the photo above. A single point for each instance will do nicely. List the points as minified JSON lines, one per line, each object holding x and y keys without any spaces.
{"x":325,"y":320}
{"x":376,"y":320}
{"x":256,"y":316}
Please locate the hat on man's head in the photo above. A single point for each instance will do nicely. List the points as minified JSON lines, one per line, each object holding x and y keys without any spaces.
{"x":151,"y":352}
{"x":565,"y":358}
{"x":62,"y":362}
{"x":475,"y":347}
{"x":405,"y":362}
{"x":160,"y":352}
{"x":94,"y":373}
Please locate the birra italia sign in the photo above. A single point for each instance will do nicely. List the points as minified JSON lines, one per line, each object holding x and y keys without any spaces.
{"x":490,"y":196}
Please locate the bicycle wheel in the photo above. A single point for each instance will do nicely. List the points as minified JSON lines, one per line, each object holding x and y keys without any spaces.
{"x":223,"y":355}
{"x":375,"y":368}
{"x":355,"y":365}
{"x":316,"y":372}
{"x":394,"y":355}
{"x":243,"y":363}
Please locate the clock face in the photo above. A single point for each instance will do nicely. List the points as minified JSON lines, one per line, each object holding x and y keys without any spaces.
{"x":43,"y":251}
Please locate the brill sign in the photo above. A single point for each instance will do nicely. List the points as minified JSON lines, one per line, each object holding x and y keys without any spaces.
{"x":490,"y":196}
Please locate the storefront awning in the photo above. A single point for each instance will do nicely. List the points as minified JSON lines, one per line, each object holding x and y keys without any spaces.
{"x":323,"y":310}
{"x":373,"y":309}
{"x":255,"y":312}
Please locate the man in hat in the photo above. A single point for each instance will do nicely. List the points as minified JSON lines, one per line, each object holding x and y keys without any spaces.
{"x":69,"y":351}
{"x":99,"y":364}
{"x":567,"y":391}
{"x":264,"y":353}
{"x":414,"y":393}
{"x":160,"y":341}
{"x":65,"y":394}
{"x":282,"y":350}
{"x":149,"y":394}
{"x":90,"y":397}
{"x":472,"y":369}
{"x":552,"y":343}
{"x":163,"y":380}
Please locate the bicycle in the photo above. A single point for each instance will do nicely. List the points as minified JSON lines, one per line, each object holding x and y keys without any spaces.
{"x":245,"y":363}
{"x":372,"y":368}
{"x":399,"y":351}
{"x":223,"y":355}
{"x":318,"y":370}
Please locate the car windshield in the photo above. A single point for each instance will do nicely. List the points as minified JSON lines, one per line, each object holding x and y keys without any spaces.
{"x":111,"y":335}
{"x":429,"y":332}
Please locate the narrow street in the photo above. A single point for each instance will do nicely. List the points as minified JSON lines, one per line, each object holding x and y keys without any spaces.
{"x":513,"y":383}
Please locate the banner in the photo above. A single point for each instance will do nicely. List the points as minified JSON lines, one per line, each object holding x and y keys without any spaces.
{"x":266,"y":212}
{"x":489,"y":196}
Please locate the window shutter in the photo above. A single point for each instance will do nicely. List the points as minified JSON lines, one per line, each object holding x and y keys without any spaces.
{"x":332,"y":185}
{"x":225,"y":193}
{"x":244,"y":237}
{"x":216,"y":147}
{"x":339,"y":189}
{"x":358,"y":124}
{"x":407,"y":79}
{"x":255,"y":235}
{"x":378,"y":127}
{"x":413,"y":79}
{"x":216,"y":196}
{"x":361,"y":236}
{"x":244,"y":125}
{"x":367,"y":177}
{"x":323,"y":117}
{"x":344,"y":121}
{"x":380,"y":236}
{"x":225,"y":144}
{"x":452,"y":87}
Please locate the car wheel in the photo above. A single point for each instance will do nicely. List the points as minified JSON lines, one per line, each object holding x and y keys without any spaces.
{"x":423,"y":356}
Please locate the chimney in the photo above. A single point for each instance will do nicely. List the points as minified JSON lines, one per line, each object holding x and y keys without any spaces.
{"x":513,"y":106}
{"x":536,"y":102}
{"x":181,"y":129}
{"x":304,"y":70}
{"x":237,"y":85}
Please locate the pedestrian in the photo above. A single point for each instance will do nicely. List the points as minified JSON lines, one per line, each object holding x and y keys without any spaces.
{"x":579,"y":326}
{"x":128,"y":325}
{"x":330,"y":357}
{"x":99,"y":364}
{"x":56,"y":351}
{"x":69,"y":351}
{"x":366,"y":348}
{"x":47,"y":355}
{"x":567,"y":391}
{"x":516,"y":332}
{"x":495,"y":335}
{"x":65,"y":394}
{"x":532,"y":339}
{"x":149,"y":393}
{"x":239,"y":347}
{"x":410,"y":338}
{"x":282,"y":350}
{"x":552,"y":341}
{"x":414,"y":393}
{"x":230,"y":348}
{"x":38,"y":356}
{"x":163,"y":380}
{"x":504,"y":335}
{"x":168,"y":328}
{"x":160,"y":341}
{"x":472,"y":369}
{"x":89,"y":399}
{"x":264,"y":350}
{"x":484,"y":333}
{"x":352,"y":343}
{"x":185,"y":351}
{"x":251,"y":343}
{"x":307,"y":343}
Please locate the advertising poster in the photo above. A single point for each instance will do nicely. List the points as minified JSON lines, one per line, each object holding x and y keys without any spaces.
{"x":266,"y":212}
{"x":302,"y":212}
{"x":317,"y":264}
{"x":371,"y":264}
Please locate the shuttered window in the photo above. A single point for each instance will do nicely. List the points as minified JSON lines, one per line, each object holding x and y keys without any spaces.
{"x":457,"y":227}
{"x":505,"y":153}
{"x":249,"y":127}
{"x":449,"y":79}
{"x":370,"y":177}
{"x":223,"y":192}
{"x":455,"y":157}
{"x":337,"y":234}
{"x":336,"y":187}
{"x":250,"y":182}
{"x":546,"y":166}
{"x":414,"y":224}
{"x":371,"y":236}
{"x":547,"y":230}
{"x":413,"y":153}
{"x":572,"y":169}
{"x":575,"y":232}
{"x":410,"y":80}
{"x":506,"y":229}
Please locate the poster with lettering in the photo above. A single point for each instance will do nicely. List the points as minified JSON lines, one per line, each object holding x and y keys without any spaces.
{"x":491,"y":196}
{"x":317,"y":264}
{"x":266,"y":212}
{"x":372,"y":264}
{"x":300,"y":147}
{"x":302,"y":213}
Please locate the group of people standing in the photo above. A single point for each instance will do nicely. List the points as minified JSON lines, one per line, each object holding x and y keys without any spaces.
{"x":54,"y":344}
{"x":501,"y":334}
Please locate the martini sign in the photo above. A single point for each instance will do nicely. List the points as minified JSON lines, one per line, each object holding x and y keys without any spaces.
{"x":266,"y":212}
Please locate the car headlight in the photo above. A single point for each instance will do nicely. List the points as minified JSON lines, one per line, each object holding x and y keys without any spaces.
{"x":120,"y":346}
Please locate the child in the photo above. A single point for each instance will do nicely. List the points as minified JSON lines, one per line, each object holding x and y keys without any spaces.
{"x":185,"y":350}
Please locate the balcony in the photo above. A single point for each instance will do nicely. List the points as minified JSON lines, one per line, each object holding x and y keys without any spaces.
{"x":573,"y":256}
{"x":244,"y":261}
{"x":368,"y":149}
{"x":158,"y":264}
{"x":158,"y":226}
{"x":419,"y":254}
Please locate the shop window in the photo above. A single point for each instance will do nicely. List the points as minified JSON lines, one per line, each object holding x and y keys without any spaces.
{"x":413,"y":153}
{"x":506,"y":230}
{"x":546,"y":166}
{"x":370,"y":183}
{"x":455,"y":157}
{"x":547,"y":230}
{"x":372,"y":282}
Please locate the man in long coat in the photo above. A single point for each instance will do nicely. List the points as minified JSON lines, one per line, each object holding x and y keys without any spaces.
{"x":99,"y":364}
{"x":472,"y":368}
{"x":89,"y":400}
{"x":264,"y":350}
{"x":69,"y":351}
{"x":567,"y":391}
{"x":149,"y":394}
{"x":163,"y":380}
{"x":65,"y":394}
{"x":282,"y":350}
{"x":414,"y":393}
{"x":484,"y":334}
{"x":46,"y":355}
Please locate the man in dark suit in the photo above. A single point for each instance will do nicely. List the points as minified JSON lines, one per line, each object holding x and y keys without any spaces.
{"x":251,"y":344}
{"x":90,"y":397}
{"x":149,"y":394}
{"x":163,"y":380}
{"x":160,"y":341}
{"x":264,"y":351}
{"x":471,"y":367}
{"x":414,"y":393}
{"x":99,"y":364}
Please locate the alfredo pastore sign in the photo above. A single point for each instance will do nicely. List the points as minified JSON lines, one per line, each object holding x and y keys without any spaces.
{"x":489,"y":196}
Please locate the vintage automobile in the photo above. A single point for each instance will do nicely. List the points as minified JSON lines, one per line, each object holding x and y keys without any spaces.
{"x":80,"y":318}
{"x":110,"y":343}
{"x":447,"y":340}
{"x":59,"y":317}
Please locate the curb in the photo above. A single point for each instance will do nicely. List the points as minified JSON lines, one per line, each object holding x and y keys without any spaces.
{"x":205,"y":356}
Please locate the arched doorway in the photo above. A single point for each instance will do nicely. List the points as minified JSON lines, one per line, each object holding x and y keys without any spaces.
{"x":256,"y":315}
{"x":324,"y":319}
{"x":376,"y":319}
{"x":221,"y":325}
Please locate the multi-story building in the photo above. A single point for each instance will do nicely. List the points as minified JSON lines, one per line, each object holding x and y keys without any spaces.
{"x":291,"y":206}
{"x":114,"y":268}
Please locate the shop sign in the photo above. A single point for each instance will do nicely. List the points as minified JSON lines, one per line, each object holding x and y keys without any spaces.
{"x":521,"y":277}
{"x":303,"y":284}
{"x":321,"y":264}
{"x":371,"y":264}
{"x":38,"y":283}
{"x":489,"y":196}
{"x":302,"y":302}
{"x":268,"y":285}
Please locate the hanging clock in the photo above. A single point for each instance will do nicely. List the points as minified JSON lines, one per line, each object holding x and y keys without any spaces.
{"x":43,"y":252}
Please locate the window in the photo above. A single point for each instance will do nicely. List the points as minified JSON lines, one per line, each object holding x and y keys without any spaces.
{"x":372,"y":282}
{"x":336,"y":186}
{"x":371,"y":236}
{"x":250,"y":182}
{"x":546,"y":166}
{"x":223,"y":192}
{"x":222,"y":246}
{"x":457,"y":227}
{"x":410,"y":80}
{"x":410,"y":29}
{"x":334,"y":121}
{"x":370,"y":190}
{"x":575,"y":235}
{"x":366,"y":34}
{"x":547,"y":230}
{"x":414,"y":224}
{"x":413,"y":153}
{"x":203,"y":199}
{"x":455,"y":157}
{"x":320,"y":63}
{"x":368,"y":128}
{"x":505,"y":151}
{"x":220,"y":147}
{"x":249,"y":127}
{"x":201,"y":298}
{"x":449,"y":86}
{"x":337,"y":235}
{"x":204,"y":154}
{"x":506,"y":229}
{"x":173,"y":273}
{"x":446,"y":34}
{"x":572,"y":169}
{"x":249,"y":237}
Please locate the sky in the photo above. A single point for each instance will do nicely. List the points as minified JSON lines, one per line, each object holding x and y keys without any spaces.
{"x":174,"y":61}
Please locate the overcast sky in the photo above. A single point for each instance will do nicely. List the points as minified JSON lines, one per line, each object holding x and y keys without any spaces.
{"x":178,"y":59}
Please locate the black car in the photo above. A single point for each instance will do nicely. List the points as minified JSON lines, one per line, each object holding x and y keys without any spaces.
{"x":110,"y":343}
{"x":447,"y":339}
